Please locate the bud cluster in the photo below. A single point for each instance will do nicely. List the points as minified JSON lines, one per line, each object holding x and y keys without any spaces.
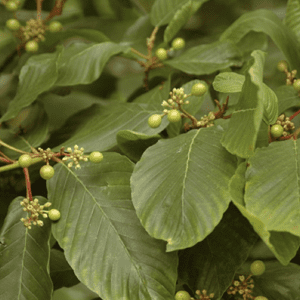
{"x":242,"y":287}
{"x":46,"y":154}
{"x":290,"y":77}
{"x":76,"y":156}
{"x":35,"y":209}
{"x":203,"y":295}
{"x":207,"y":121}
{"x":285,"y":123}
{"x":34,"y":30}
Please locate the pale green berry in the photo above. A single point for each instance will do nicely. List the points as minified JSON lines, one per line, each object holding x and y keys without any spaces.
{"x":282,"y":66}
{"x":55,"y":26}
{"x":25,"y":161}
{"x":260,"y":298}
{"x":178,"y":44}
{"x":154,"y":121}
{"x":12,"y":6}
{"x":96,"y":157}
{"x":198,"y":89}
{"x":161,"y":54}
{"x":296,"y":85}
{"x":276,"y":130}
{"x":54,"y":214}
{"x":182,"y":295}
{"x":32,"y":46}
{"x":174,"y":116}
{"x":257,"y":267}
{"x":13,"y":24}
{"x":47,"y":172}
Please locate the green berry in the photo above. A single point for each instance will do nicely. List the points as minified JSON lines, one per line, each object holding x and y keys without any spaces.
{"x":282,"y":66}
{"x":276,"y":130}
{"x":296,"y":85}
{"x":178,"y":44}
{"x":11,"y":6}
{"x":154,"y":121}
{"x":182,"y":295}
{"x":198,"y":89}
{"x":54,"y":214}
{"x":55,"y":26}
{"x":174,"y":116}
{"x":13,"y":24}
{"x":46,"y":172}
{"x":161,"y":54}
{"x":31,"y":46}
{"x":25,"y":161}
{"x":96,"y":157}
{"x":257,"y":267}
{"x":260,"y":298}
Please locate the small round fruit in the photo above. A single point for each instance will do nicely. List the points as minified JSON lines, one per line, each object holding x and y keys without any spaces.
{"x":161,"y":53}
{"x":154,"y":121}
{"x":296,"y":85}
{"x":257,"y":267}
{"x":276,"y":130}
{"x":11,"y":6}
{"x":182,"y":295}
{"x":178,"y":44}
{"x":46,"y":172}
{"x":55,"y":26}
{"x":96,"y":157}
{"x":13,"y":24}
{"x":260,"y":298}
{"x":282,"y":66}
{"x":54,"y":214}
{"x":174,"y":116}
{"x":198,"y":89}
{"x":25,"y":161}
{"x":32,"y":46}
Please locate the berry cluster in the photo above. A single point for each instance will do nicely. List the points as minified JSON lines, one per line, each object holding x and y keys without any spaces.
{"x":282,"y":126}
{"x":175,"y":102}
{"x":35,"y":209}
{"x":177,"y":44}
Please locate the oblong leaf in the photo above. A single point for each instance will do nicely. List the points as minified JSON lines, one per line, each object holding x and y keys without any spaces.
{"x":292,"y":17}
{"x":25,"y":254}
{"x":206,"y":59}
{"x":228,"y":82}
{"x":178,"y":195}
{"x":103,"y":240}
{"x":266,"y":21}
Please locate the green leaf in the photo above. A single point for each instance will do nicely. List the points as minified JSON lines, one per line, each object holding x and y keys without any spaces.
{"x":84,"y":63}
{"x":37,"y":76}
{"x":103,"y":240}
{"x":97,"y":123}
{"x":241,"y":134}
{"x":62,"y":275}
{"x":25,"y":254}
{"x":179,"y":19}
{"x":271,"y":193}
{"x":287,"y":98}
{"x":266,"y":21}
{"x":206,"y":59}
{"x":228,"y":82}
{"x":292,"y":17}
{"x":207,"y":263}
{"x":163,"y":11}
{"x":174,"y":187}
{"x":133,"y":144}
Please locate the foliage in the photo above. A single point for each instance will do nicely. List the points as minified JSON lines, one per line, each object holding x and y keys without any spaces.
{"x":183,"y":176}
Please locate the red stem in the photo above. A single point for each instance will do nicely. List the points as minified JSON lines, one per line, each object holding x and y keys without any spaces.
{"x":294,"y":115}
{"x":28,"y":184}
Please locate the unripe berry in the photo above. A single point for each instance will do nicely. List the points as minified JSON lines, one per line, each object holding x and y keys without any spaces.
{"x":296,"y":85}
{"x":178,"y":44}
{"x":25,"y":161}
{"x":257,"y":267}
{"x":276,"y":130}
{"x":182,"y":295}
{"x":174,"y":116}
{"x":13,"y":24}
{"x":154,"y":121}
{"x":47,"y":172}
{"x":11,"y":6}
{"x":260,"y":298}
{"x":282,"y":66}
{"x":54,"y":214}
{"x":161,"y":54}
{"x":55,"y":26}
{"x":96,"y":157}
{"x":31,"y":46}
{"x":198,"y":89}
